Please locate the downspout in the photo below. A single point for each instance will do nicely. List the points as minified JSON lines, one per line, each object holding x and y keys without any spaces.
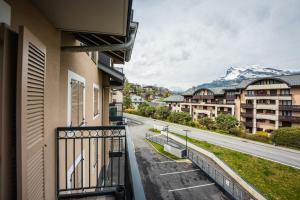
{"x":113,"y":47}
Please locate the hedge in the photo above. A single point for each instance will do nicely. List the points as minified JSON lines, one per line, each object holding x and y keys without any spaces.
{"x":289,"y":137}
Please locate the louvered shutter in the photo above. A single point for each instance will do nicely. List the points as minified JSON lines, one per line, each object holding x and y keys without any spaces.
{"x":80,"y":103}
{"x":75,"y":97}
{"x":30,"y":116}
{"x":96,"y":99}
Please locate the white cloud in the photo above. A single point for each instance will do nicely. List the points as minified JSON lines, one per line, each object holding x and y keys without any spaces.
{"x":185,"y":43}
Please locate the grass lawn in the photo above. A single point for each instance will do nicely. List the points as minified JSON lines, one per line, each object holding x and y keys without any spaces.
{"x":160,"y":149}
{"x":274,"y":180}
{"x":154,"y":130}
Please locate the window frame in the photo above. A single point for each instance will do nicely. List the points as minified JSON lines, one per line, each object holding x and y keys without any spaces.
{"x":97,"y":87}
{"x":76,"y":77}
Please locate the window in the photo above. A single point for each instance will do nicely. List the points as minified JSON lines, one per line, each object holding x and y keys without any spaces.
{"x":96,"y":100}
{"x":76,"y":100}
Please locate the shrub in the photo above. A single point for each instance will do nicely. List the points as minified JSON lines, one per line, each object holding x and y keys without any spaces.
{"x":180,"y":118}
{"x":161,"y":113}
{"x":208,"y":123}
{"x":130,"y":110}
{"x":289,"y":137}
{"x":142,"y":108}
{"x":256,"y":137}
{"x":262,"y":133}
{"x":237,"y":131}
{"x":226,"y":122}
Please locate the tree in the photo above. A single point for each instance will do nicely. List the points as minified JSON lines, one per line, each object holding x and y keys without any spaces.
{"x":208,"y":123}
{"x":180,"y":117}
{"x":161,"y":113}
{"x":226,"y":122}
{"x":127,"y":102}
{"x":142,"y":108}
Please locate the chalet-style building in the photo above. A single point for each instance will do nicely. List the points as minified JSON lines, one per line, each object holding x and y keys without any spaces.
{"x":259,"y":104}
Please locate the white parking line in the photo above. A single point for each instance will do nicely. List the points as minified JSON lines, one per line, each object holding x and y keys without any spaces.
{"x":168,"y":161}
{"x":187,"y":188}
{"x":180,"y":172}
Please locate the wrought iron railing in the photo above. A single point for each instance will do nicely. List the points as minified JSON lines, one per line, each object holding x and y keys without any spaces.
{"x":93,"y":161}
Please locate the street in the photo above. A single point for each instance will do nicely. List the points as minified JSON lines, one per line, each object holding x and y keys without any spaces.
{"x":278,"y":154}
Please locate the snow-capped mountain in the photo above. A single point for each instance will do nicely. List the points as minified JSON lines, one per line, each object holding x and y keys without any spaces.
{"x":253,"y":71}
{"x":235,"y":75}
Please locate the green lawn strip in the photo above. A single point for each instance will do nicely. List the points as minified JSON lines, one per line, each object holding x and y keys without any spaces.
{"x":274,"y":180}
{"x":154,"y":130}
{"x":161,"y":150}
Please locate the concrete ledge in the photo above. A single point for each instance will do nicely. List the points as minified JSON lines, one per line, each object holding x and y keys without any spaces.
{"x":221,"y":164}
{"x":180,"y":153}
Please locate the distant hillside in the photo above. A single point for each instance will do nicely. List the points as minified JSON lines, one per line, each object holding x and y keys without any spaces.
{"x":235,"y":75}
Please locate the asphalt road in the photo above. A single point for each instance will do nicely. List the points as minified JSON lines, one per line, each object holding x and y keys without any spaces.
{"x":164,"y":179}
{"x":278,"y":154}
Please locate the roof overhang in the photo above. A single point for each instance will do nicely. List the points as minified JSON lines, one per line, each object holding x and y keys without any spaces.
{"x":88,"y":16}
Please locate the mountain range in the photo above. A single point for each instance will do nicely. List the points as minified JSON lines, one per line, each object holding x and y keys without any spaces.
{"x":235,"y":75}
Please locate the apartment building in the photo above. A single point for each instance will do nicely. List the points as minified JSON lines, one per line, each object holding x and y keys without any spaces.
{"x":262,"y":104}
{"x":271,"y":103}
{"x":209,"y":102}
{"x":57,"y":71}
{"x":174,"y":102}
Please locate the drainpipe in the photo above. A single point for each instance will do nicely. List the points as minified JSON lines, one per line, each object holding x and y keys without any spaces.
{"x":112,"y":47}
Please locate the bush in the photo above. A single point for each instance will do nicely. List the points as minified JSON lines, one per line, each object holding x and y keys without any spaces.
{"x":256,"y":137}
{"x":130,"y":110}
{"x":180,"y":118}
{"x":161,"y":113}
{"x":208,"y":123}
{"x":289,"y":137}
{"x":237,"y":131}
{"x":262,"y":133}
{"x":226,"y":122}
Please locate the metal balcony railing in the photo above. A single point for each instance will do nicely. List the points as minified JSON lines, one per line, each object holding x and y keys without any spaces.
{"x":96,"y":161}
{"x":248,"y":115}
{"x":185,"y":110}
{"x":289,"y":119}
{"x":195,"y":97}
{"x":247,"y":105}
{"x":290,"y":107}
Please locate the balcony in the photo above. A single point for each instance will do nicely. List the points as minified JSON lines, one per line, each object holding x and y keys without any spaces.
{"x":290,"y":107}
{"x":247,"y":105}
{"x":116,"y":112}
{"x":200,"y":97}
{"x":185,"y":110}
{"x":230,"y":97}
{"x":247,"y":115}
{"x":289,"y":119}
{"x":268,"y":116}
{"x":266,"y":106}
{"x":96,"y":161}
{"x":248,"y":124}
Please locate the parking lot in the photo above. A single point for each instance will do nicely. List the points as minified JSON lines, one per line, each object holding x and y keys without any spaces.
{"x":167,"y":179}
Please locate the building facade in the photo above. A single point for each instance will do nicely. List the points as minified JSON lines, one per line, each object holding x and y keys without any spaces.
{"x":262,"y":104}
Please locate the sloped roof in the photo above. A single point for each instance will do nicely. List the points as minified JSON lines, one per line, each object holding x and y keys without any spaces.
{"x":291,"y":80}
{"x":174,"y":98}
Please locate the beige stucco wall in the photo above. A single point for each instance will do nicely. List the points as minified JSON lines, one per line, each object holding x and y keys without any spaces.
{"x":295,"y":95}
{"x":81,"y":64}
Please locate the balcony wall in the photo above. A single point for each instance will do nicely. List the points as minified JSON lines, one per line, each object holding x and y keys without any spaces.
{"x":267,"y":116}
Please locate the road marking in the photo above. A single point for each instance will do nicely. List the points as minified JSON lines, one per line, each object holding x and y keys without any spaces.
{"x":180,"y":172}
{"x":168,"y":161}
{"x":187,"y":188}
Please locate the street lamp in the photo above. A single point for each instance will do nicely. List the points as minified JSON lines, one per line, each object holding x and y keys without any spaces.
{"x":186,"y":147}
{"x":167,"y":130}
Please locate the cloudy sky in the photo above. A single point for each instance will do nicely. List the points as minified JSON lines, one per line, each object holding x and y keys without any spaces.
{"x":181,"y":43}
